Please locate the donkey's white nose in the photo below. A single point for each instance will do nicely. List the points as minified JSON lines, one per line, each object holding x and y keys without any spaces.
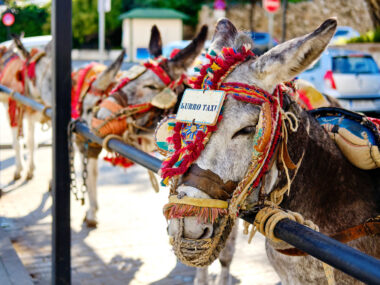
{"x":192,"y":229}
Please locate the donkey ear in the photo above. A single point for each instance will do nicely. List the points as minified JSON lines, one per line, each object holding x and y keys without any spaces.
{"x":186,"y":56}
{"x":288,"y":59}
{"x":107,"y":76}
{"x":17,"y":40}
{"x":155,"y":42}
{"x":224,"y":36}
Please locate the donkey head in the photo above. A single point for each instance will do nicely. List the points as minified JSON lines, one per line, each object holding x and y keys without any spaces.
{"x":106,"y":79}
{"x":38,"y":73}
{"x":158,"y":75}
{"x":227,"y":156}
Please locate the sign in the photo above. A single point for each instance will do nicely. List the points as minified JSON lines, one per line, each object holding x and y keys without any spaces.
{"x":271,"y":6}
{"x":104,"y":6}
{"x":8,"y":19}
{"x":200,"y":106}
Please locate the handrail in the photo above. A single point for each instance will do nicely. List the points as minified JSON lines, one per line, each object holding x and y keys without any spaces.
{"x":349,"y":260}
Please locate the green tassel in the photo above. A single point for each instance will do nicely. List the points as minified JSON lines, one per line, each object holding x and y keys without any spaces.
{"x":212,"y":52}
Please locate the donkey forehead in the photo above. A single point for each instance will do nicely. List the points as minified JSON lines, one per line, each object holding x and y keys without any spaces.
{"x":237,"y":114}
{"x":227,"y":157}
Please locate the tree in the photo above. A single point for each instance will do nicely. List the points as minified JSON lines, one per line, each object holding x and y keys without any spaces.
{"x":85,"y":23}
{"x":374,"y":11}
{"x":252,"y":15}
{"x":28,"y":19}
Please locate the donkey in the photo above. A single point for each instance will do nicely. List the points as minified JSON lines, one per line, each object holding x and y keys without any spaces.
{"x":29,"y":74}
{"x":323,"y":186}
{"x":136,"y":89}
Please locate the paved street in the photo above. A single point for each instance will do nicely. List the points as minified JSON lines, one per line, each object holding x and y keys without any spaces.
{"x":130,"y":245}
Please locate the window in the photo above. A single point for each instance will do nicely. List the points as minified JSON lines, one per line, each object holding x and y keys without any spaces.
{"x":356,"y":64}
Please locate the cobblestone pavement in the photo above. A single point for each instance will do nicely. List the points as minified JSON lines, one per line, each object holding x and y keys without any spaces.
{"x":130,"y":245}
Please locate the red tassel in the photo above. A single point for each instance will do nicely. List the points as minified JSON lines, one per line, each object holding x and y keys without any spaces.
{"x":118,"y":160}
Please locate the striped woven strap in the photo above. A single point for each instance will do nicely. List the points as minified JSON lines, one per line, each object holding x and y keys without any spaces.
{"x":199,"y":202}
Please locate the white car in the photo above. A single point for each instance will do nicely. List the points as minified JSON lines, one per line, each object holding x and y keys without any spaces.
{"x":31,"y":42}
{"x":352,"y":77}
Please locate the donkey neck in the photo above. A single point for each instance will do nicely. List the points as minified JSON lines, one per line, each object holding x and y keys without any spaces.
{"x":329,"y":190}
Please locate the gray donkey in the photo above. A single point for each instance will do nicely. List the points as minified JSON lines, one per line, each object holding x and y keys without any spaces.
{"x":139,"y":90}
{"x":325,"y":187}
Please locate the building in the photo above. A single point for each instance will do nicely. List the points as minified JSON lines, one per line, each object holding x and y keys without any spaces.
{"x":137,"y":24}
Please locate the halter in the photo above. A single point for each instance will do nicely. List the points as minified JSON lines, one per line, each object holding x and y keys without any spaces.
{"x":114,"y":124}
{"x":122,"y":120}
{"x":188,"y":141}
{"x":25,"y":72}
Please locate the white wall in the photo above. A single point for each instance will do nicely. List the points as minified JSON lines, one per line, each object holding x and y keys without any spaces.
{"x":171,"y":30}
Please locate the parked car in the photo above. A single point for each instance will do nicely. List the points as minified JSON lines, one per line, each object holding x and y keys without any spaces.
{"x":168,"y":49}
{"x":342,"y":34}
{"x":352,"y":77}
{"x":261,"y":42}
{"x":31,"y":42}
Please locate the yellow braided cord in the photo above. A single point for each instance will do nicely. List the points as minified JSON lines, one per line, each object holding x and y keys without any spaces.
{"x":199,"y":202}
{"x":153,"y":181}
{"x":267,"y":219}
{"x":329,"y":273}
{"x":107,"y":139}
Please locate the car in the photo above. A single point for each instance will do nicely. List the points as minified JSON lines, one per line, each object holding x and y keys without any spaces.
{"x":170,"y":47}
{"x":261,"y":42}
{"x":342,"y":34}
{"x":352,"y":77}
{"x":31,"y":42}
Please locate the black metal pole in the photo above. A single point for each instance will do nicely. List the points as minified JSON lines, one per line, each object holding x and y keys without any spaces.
{"x":26,"y":100}
{"x":343,"y":257}
{"x":351,"y":261}
{"x":134,"y":154}
{"x":61,"y":31}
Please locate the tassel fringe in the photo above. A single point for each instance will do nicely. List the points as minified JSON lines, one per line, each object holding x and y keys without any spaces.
{"x":204,"y":215}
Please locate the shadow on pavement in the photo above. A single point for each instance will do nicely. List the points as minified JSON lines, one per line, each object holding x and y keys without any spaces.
{"x":31,"y":237}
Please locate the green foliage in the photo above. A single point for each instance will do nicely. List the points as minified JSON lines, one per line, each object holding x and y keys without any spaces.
{"x":369,"y":37}
{"x":28,"y":19}
{"x":85,"y":23}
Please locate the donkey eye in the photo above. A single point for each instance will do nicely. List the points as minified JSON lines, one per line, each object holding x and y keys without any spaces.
{"x":152,"y":87}
{"x":245,"y":131}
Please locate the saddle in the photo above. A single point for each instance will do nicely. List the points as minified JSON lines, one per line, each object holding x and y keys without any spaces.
{"x":357,"y":136}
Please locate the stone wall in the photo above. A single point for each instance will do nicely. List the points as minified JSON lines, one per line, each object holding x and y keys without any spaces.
{"x":301,"y":18}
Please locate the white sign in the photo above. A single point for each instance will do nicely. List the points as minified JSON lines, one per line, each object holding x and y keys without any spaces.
{"x":104,"y":6}
{"x":200,"y":106}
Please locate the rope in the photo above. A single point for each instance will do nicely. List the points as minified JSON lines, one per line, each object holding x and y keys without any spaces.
{"x":266,"y":221}
{"x":107,"y":139}
{"x":45,"y":117}
{"x":153,"y":181}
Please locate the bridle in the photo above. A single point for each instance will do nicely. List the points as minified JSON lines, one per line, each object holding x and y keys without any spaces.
{"x":188,"y":141}
{"x":115,"y":124}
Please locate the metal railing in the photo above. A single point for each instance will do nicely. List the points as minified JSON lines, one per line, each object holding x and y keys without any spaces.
{"x":349,"y":260}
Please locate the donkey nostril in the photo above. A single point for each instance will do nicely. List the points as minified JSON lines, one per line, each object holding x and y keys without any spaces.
{"x":207,"y":232}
